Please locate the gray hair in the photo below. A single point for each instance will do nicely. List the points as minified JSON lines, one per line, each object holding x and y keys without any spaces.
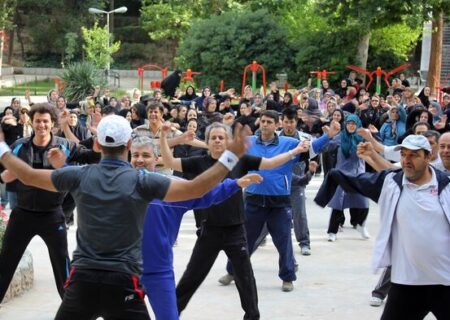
{"x":142,"y":141}
{"x":432,"y":133}
{"x":217,"y":125}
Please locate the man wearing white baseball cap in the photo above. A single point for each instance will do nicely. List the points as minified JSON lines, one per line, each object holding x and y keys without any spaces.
{"x":111,"y":199}
{"x":414,"y":234}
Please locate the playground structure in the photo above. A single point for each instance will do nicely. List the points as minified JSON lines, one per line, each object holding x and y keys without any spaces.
{"x":321,"y":75}
{"x":254,"y":68}
{"x":378,"y":73}
{"x":188,"y":79}
{"x":153,"y":84}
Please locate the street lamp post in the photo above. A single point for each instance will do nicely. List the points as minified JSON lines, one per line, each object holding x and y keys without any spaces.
{"x":98,"y":11}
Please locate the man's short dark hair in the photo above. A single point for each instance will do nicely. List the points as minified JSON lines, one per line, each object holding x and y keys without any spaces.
{"x":108,"y":110}
{"x":43,"y":108}
{"x":113,"y":151}
{"x":270,"y":114}
{"x":153,"y":105}
{"x":420,"y":123}
{"x":289,"y":114}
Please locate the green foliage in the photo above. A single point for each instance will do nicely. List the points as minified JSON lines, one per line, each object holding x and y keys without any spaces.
{"x":173,"y":19}
{"x":322,"y":50}
{"x":397,"y":40}
{"x":7,"y":8}
{"x":79,"y":79}
{"x":47,"y":22}
{"x":71,"y":47}
{"x":221,"y":46}
{"x":95,"y":45}
{"x":36,"y":87}
{"x":166,"y":20}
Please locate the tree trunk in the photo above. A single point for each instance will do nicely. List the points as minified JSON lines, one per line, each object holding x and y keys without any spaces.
{"x":11,"y":46}
{"x":363,"y":52}
{"x":434,"y":69}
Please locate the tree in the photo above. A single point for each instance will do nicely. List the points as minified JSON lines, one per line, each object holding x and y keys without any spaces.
{"x":366,"y":16}
{"x":321,"y":44}
{"x":221,"y":46}
{"x":47,"y":22}
{"x":71,"y":47}
{"x":363,"y":17}
{"x":7,"y":9}
{"x":172,"y":19}
{"x":95,"y":48}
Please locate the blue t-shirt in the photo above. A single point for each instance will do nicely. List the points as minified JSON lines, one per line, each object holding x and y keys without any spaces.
{"x":162,"y":224}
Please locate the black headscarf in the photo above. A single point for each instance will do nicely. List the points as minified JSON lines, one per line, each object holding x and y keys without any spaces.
{"x":171,"y":83}
{"x":188,"y":96}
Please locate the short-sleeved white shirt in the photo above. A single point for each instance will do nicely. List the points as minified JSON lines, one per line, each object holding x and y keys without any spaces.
{"x":420,"y":237}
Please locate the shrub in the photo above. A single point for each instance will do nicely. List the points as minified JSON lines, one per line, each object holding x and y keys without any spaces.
{"x":79,"y":79}
{"x":221,"y":46}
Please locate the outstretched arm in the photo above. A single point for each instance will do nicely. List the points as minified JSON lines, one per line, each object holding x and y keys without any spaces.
{"x":180,"y":190}
{"x":367,"y":135}
{"x":365,"y":151}
{"x":166,"y":154}
{"x":270,"y":163}
{"x":39,"y":178}
{"x":224,"y":190}
{"x":366,"y":184}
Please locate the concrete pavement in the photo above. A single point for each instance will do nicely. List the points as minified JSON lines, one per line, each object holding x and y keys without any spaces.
{"x":335,"y":282}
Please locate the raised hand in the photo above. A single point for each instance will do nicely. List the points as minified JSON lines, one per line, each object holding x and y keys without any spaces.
{"x":249,"y":179}
{"x":56,"y":157}
{"x":228,"y":118}
{"x":64,"y":119}
{"x":239,"y":144}
{"x":188,"y":136}
{"x":365,"y":133}
{"x":335,"y":128}
{"x":364,"y":150}
{"x":302,"y":147}
{"x":373,"y":129}
{"x":313,"y":166}
{"x":165,"y":128}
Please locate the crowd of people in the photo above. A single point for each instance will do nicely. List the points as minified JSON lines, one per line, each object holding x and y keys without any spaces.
{"x":181,"y":145}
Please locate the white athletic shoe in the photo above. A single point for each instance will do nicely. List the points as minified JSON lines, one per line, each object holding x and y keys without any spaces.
{"x":375,"y":301}
{"x":226,"y":279}
{"x":363,"y":230}
{"x":332,"y":237}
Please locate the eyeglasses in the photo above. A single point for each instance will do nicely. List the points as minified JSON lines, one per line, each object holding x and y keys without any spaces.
{"x":24,"y":111}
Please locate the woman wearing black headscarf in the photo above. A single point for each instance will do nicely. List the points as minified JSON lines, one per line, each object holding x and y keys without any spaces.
{"x":424,"y":96}
{"x":171,"y":83}
{"x":82,"y":133}
{"x":342,"y":90}
{"x":189,"y":95}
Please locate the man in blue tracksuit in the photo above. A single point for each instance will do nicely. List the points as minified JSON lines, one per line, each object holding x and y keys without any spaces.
{"x":270,"y":201}
{"x":161,"y":227}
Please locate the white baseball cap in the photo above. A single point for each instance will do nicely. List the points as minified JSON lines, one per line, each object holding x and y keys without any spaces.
{"x":414,"y":142}
{"x":113,"y":131}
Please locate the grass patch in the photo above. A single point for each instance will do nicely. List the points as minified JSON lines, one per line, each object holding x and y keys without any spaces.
{"x":37,"y":88}
{"x":41,"y":88}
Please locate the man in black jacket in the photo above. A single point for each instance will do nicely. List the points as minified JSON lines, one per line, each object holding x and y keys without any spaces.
{"x":39,"y":212}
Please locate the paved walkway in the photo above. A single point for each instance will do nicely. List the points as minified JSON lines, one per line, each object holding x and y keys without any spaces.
{"x":333,"y":283}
